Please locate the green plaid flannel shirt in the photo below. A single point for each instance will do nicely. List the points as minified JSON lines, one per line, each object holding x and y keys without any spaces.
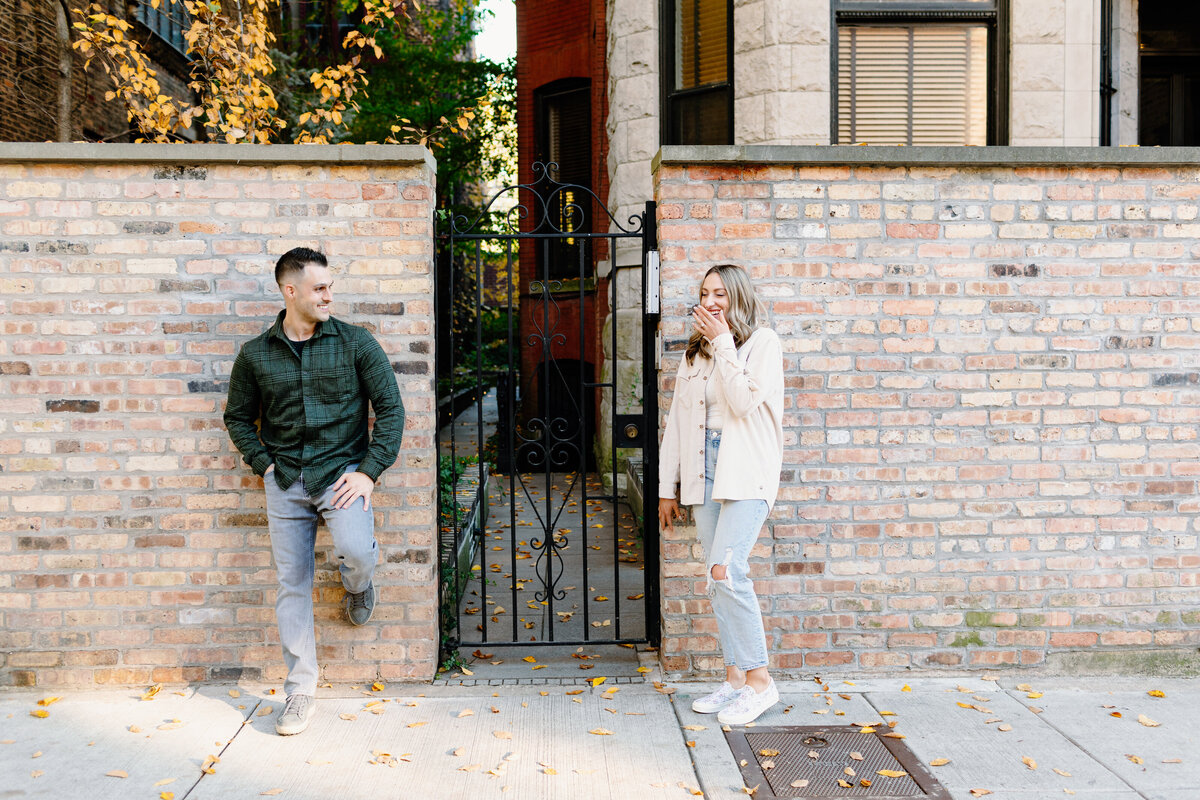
{"x":309,"y":412}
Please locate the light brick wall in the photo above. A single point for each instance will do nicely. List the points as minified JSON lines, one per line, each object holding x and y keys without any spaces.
{"x":991,"y":449}
{"x":133,"y":542}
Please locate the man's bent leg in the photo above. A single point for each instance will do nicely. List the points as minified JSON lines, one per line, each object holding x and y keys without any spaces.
{"x":354,"y":545}
{"x":292,"y":519}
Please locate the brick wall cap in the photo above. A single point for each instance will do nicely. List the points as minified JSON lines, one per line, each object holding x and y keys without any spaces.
{"x":949,"y":156}
{"x":342,"y":154}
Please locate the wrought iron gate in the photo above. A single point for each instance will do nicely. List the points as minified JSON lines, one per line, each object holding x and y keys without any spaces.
{"x":538,"y":545}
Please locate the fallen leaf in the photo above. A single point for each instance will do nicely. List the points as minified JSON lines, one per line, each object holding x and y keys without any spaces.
{"x":418,"y":724}
{"x":893,"y":735}
{"x":575,"y":691}
{"x":1149,"y":723}
{"x":799,"y":783}
{"x":166,"y":796}
{"x":40,"y":712}
{"x":845,"y":784}
{"x":1028,"y":762}
{"x":601,"y":732}
{"x":643,"y":670}
{"x":530,"y":659}
{"x":117,"y":773}
{"x":348,"y":717}
{"x":1062,"y":772}
{"x":891,"y":773}
{"x":164,"y":782}
{"x":377,"y":686}
{"x":750,"y":791}
{"x":466,"y":712}
{"x":466,"y":671}
{"x":1116,"y":714}
{"x":1135,"y":759}
{"x":37,"y":773}
{"x":1005,"y":727}
{"x":768,"y":753}
{"x":502,"y":734}
{"x":864,"y":782}
{"x":939,"y":762}
{"x":906,"y":688}
{"x":597,"y":681}
{"x":1156,"y":693}
{"x":980,"y":792}
{"x":867,"y":729}
{"x":174,"y":724}
{"x":37,"y":754}
{"x":695,"y":728}
{"x":318,"y":762}
{"x":48,"y":701}
{"x":265,"y":710}
{"x":153,"y":690}
{"x":690,"y":743}
{"x":849,"y":771}
{"x":271,"y":792}
{"x":768,"y":764}
{"x":1172,"y":761}
{"x":857,"y":756}
{"x":638,"y":596}
{"x":549,"y":771}
{"x":234,"y":693}
{"x":1034,"y":695}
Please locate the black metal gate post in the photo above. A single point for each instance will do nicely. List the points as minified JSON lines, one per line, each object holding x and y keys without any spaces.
{"x":545,"y":419}
{"x":651,"y":352}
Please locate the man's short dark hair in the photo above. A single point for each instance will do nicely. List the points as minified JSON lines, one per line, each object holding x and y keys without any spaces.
{"x":295,"y":260}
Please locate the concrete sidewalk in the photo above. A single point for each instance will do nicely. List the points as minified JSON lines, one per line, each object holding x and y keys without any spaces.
{"x":564,"y":740}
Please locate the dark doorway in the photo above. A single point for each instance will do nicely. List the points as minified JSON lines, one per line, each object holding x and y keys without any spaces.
{"x":1169,"y":65}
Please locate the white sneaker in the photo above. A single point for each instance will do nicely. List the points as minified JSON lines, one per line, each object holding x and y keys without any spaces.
{"x":749,"y":705}
{"x":711,"y":703}
{"x":296,"y":714}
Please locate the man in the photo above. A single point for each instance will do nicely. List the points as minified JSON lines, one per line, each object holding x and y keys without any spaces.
{"x":306,"y":381}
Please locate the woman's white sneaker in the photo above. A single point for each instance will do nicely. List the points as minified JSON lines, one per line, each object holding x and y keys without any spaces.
{"x":711,"y":703}
{"x":749,"y":705}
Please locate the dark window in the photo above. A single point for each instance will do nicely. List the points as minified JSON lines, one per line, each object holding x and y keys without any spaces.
{"x":698,"y":71}
{"x":564,"y":138}
{"x":168,"y":21}
{"x":913,"y":72}
{"x":1169,"y":65}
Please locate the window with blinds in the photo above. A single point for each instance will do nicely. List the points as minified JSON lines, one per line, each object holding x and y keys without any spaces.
{"x":921,"y":72}
{"x":699,"y":93}
{"x":912,"y":85}
{"x":169,"y":21}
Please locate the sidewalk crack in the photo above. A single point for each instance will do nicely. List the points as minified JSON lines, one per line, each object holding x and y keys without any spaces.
{"x":1077,"y":745}
{"x":241,"y":726}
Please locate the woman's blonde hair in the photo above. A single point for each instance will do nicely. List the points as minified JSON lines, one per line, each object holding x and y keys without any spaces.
{"x":745,"y":314}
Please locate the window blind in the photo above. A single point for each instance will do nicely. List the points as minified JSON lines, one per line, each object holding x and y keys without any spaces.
{"x":701,"y":36}
{"x":912,"y":84}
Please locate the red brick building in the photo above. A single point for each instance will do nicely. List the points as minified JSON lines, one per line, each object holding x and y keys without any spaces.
{"x":562,"y":109}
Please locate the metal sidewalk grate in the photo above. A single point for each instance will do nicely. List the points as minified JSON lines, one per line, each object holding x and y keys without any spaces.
{"x":808,"y":762}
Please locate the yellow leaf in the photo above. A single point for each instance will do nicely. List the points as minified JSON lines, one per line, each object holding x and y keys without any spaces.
{"x":377,"y":686}
{"x":906,"y":688}
{"x":502,"y":734}
{"x":234,"y":693}
{"x":466,"y":671}
{"x":601,"y":732}
{"x":1116,"y":714}
{"x":891,"y":773}
{"x":980,"y":792}
{"x":1156,"y":693}
{"x":48,"y":701}
{"x":117,"y":773}
{"x":857,"y":756}
{"x":867,"y":729}
{"x":418,"y":724}
{"x":1063,"y":772}
{"x":1149,"y":723}
{"x":271,"y":792}
{"x":466,"y":712}
{"x":597,"y":681}
{"x":530,"y":659}
{"x":153,"y":690}
{"x":695,"y":728}
{"x":845,"y":784}
{"x":166,"y":796}
{"x":348,"y":717}
{"x":939,"y":762}
{"x":1034,"y":695}
{"x":549,"y":771}
{"x":768,"y":753}
{"x":1005,"y":727}
{"x":1135,"y":759}
{"x":750,"y":791}
{"x":37,"y":773}
{"x":41,"y":712}
{"x":1028,"y":762}
{"x":538,"y":666}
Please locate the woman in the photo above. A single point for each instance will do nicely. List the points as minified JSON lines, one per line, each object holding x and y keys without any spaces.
{"x":723,"y":448}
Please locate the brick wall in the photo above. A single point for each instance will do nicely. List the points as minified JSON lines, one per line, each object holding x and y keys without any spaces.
{"x":991,"y":356}
{"x":133,"y":542}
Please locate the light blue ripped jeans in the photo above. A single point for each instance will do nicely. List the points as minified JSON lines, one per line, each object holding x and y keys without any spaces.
{"x":728,"y":530}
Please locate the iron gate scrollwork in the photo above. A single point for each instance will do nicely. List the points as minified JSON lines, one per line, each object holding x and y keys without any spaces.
{"x":571,"y":562}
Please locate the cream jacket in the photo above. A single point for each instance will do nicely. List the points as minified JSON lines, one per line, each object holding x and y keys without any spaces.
{"x":751,"y":381}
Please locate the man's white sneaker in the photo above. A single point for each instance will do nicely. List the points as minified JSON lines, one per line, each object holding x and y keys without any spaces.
{"x":749,"y":705}
{"x":297,"y":712}
{"x":711,"y":703}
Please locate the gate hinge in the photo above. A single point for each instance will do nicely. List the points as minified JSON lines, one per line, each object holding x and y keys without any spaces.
{"x":652,"y":298}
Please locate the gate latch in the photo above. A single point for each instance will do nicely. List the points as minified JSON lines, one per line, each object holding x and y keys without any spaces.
{"x":631,"y":431}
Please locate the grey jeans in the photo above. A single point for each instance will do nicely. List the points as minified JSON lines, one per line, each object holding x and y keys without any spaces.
{"x":728,"y":530}
{"x":292,"y":521}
